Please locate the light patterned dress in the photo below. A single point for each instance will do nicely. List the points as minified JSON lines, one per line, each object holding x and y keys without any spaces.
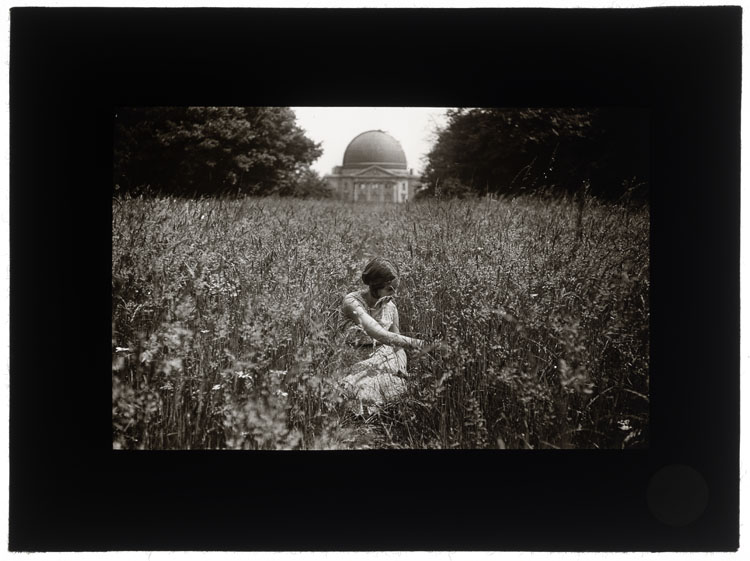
{"x":379,"y":377}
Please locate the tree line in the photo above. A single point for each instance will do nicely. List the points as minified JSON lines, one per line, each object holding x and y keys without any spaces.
{"x":545,"y":151}
{"x":205,"y":151}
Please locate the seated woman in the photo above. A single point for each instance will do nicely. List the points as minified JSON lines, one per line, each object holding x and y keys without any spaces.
{"x":370,"y":323}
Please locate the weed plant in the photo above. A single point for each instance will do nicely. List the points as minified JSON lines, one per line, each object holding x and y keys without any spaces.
{"x":224,"y":323}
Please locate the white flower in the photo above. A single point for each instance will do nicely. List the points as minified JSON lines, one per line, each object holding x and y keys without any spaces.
{"x":216,"y":387}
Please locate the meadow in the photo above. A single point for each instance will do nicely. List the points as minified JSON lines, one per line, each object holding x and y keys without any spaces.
{"x":223,"y":323}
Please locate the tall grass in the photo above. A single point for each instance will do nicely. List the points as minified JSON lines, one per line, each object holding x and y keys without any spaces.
{"x":223,"y":314}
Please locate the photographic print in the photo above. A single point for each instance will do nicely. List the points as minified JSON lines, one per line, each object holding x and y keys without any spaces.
{"x":481,"y":261}
{"x":314,"y":278}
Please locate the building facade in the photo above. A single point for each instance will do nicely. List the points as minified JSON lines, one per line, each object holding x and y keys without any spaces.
{"x":373,"y":171}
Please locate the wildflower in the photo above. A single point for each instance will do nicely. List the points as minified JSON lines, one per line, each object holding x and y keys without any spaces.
{"x":122,"y":349}
{"x":216,"y":387}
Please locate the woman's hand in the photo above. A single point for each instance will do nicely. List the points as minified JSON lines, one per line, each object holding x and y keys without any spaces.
{"x":441,"y":347}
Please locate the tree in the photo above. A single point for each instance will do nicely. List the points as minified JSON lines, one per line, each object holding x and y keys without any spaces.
{"x":540,"y":150}
{"x":210,"y":150}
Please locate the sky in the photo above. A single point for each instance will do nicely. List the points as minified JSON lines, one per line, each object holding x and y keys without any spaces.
{"x":335,"y":127}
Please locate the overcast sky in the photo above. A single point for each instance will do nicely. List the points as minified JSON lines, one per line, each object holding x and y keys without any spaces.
{"x":335,"y":127}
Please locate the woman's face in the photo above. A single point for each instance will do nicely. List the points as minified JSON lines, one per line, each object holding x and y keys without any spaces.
{"x":389,"y":289}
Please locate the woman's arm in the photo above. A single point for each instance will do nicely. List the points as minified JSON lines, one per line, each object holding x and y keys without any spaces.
{"x":354,"y":311}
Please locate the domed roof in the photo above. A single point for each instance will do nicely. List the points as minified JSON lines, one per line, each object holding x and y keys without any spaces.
{"x":374,"y":148}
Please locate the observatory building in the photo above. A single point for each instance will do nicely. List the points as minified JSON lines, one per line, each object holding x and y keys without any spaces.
{"x":374,"y":170}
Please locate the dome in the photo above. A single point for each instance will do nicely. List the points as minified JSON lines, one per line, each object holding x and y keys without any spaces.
{"x":374,"y":148}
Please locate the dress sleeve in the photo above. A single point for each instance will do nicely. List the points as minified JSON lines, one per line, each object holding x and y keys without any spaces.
{"x":396,"y":327}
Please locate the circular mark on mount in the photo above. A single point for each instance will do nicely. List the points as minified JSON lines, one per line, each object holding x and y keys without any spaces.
{"x":677,"y":495}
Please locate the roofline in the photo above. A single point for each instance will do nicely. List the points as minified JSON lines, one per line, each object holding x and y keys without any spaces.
{"x":370,"y":169}
{"x":404,"y":163}
{"x":364,"y":174}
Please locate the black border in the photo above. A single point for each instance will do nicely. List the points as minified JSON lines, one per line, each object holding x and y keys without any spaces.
{"x":69,"y":67}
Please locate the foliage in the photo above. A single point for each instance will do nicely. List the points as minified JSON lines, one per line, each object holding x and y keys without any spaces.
{"x":211,"y":150}
{"x":306,"y":184}
{"x":541,"y":150}
{"x":450,"y":188}
{"x":224,"y":320}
